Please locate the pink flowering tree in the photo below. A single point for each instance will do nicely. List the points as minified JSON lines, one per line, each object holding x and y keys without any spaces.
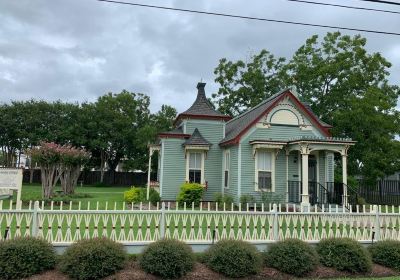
{"x":58,"y":162}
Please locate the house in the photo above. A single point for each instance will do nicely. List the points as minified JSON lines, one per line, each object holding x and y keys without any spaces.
{"x":277,"y":149}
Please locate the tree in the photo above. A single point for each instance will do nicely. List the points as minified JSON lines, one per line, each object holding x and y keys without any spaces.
{"x":112,"y":125}
{"x":245,"y":84}
{"x":58,"y":162}
{"x":345,"y":85}
{"x":72,"y":159}
{"x":161,"y":121}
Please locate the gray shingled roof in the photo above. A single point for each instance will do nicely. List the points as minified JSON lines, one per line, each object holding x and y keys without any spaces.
{"x":196,"y":139}
{"x":202,"y":106}
{"x":236,"y":125}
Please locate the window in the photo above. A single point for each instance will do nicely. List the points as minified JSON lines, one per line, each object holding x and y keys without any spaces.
{"x":195,"y":167}
{"x":227,"y":163}
{"x":264,"y":167}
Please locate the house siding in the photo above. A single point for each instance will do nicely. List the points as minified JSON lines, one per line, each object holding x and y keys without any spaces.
{"x":283,"y":133}
{"x":212,"y":131}
{"x":174,"y":168}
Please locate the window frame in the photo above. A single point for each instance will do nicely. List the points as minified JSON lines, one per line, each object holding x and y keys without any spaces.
{"x":201,"y":169}
{"x":272,"y":170}
{"x":227,"y":165}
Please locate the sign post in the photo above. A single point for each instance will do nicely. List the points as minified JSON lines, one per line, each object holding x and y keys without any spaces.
{"x":11,"y":180}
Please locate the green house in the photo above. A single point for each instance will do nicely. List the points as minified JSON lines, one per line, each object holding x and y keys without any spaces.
{"x":278,"y":151}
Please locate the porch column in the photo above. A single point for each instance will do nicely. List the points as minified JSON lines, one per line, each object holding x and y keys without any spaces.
{"x":287,"y":176}
{"x":148,"y":174}
{"x":344,"y":176}
{"x":305,"y":199}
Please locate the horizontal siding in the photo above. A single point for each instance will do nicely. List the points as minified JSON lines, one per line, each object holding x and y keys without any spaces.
{"x":174,"y":165}
{"x":212,"y":131}
{"x":233,"y":182}
{"x":278,"y":132}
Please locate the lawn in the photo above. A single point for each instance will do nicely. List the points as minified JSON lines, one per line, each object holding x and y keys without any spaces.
{"x":87,"y":196}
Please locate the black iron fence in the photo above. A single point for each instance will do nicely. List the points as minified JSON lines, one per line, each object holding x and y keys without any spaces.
{"x":111,"y":178}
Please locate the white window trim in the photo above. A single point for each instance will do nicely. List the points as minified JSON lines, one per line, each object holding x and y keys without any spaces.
{"x":202,"y":164}
{"x":227,"y":153}
{"x":273,"y":158}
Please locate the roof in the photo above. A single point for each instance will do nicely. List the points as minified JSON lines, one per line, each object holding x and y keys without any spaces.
{"x":202,"y":108}
{"x":239,"y":125}
{"x":196,"y":139}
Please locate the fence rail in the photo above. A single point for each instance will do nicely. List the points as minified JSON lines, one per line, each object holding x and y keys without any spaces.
{"x":264,"y":225}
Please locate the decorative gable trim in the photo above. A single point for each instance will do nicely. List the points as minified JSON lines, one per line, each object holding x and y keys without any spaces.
{"x":285,"y":94}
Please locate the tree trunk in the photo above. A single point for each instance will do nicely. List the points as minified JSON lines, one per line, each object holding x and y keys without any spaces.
{"x":102,"y":165}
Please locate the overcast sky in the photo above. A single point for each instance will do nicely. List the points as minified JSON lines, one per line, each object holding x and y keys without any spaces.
{"x":77,"y":50}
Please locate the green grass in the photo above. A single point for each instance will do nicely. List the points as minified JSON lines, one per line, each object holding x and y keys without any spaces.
{"x":87,"y":195}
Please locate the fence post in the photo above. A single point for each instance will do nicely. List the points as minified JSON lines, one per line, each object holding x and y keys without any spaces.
{"x":377,"y":224}
{"x":35,"y":219}
{"x":275,"y":222}
{"x":162,"y":221}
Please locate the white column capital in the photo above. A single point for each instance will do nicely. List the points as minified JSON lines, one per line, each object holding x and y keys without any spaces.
{"x":344,"y":151}
{"x":304,"y":149}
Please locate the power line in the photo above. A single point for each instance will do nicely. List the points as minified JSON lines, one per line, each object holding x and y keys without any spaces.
{"x":344,"y":6}
{"x":382,"y":2}
{"x":251,"y":18}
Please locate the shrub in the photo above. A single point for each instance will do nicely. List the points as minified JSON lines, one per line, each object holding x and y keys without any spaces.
{"x":221,"y":198}
{"x":92,"y":259}
{"x":135,"y":195}
{"x":386,"y":253}
{"x":246,"y":198}
{"x":167,"y":258}
{"x":189,"y":193}
{"x":23,"y":257}
{"x":154,"y":196}
{"x":233,"y":258}
{"x":344,"y":254}
{"x":292,"y":256}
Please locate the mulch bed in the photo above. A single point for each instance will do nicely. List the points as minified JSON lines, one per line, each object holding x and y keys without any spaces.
{"x":202,"y":272}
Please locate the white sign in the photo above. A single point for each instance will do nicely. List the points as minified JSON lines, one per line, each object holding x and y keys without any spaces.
{"x":11,"y":179}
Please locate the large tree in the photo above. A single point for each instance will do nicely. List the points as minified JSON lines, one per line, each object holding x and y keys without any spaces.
{"x":345,"y":85}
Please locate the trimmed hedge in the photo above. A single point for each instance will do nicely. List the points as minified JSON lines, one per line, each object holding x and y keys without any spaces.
{"x":23,"y":257}
{"x":386,"y":253}
{"x":93,"y":259}
{"x":190,"y":193}
{"x":292,"y":256}
{"x":167,"y":258}
{"x":233,"y":258}
{"x":344,"y":254}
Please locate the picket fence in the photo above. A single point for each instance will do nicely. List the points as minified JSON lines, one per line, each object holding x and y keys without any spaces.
{"x":207,"y":223}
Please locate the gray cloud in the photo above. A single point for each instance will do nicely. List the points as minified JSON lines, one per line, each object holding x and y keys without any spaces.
{"x":77,"y":50}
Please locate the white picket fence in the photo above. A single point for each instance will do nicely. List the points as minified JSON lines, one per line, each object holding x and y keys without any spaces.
{"x":207,"y":223}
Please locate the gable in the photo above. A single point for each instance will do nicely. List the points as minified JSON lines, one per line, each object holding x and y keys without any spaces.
{"x":282,"y":109}
{"x":287,"y":113}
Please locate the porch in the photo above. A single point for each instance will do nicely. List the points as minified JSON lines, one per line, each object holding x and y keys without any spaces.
{"x":315,"y":186}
